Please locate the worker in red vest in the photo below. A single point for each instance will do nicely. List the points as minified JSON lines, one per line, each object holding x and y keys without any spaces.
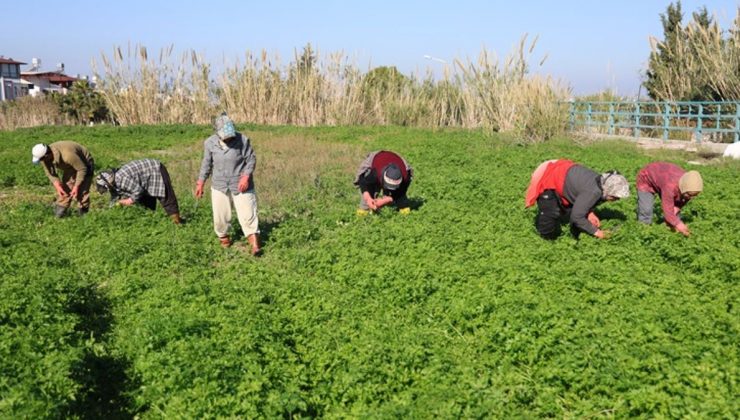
{"x":387,"y":172}
{"x":561,"y":187}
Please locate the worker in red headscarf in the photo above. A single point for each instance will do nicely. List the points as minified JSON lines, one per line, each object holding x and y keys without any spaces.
{"x":386,"y":172}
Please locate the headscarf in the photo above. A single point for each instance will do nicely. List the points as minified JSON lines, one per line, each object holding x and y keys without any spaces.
{"x":106,"y":181}
{"x":690,"y":182}
{"x":615,"y":185}
{"x":224,"y":127}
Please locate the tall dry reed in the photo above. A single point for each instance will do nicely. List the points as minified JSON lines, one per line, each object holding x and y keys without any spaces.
{"x":504,"y":97}
{"x":28,"y":111}
{"x":313,"y":89}
{"x":142,"y":90}
{"x":701,"y":57}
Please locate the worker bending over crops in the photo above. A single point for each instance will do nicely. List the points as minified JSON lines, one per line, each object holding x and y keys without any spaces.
{"x":563,"y":188}
{"x":675,"y":188}
{"x":142,"y":182}
{"x":387,"y":172}
{"x":228,"y":154}
{"x":77,"y":166}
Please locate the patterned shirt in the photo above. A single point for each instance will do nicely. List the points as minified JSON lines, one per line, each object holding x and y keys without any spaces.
{"x":140,"y":177}
{"x":228,"y":161}
{"x":662,"y":178}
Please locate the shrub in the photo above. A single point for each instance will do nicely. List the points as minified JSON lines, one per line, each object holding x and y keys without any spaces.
{"x":82,"y":103}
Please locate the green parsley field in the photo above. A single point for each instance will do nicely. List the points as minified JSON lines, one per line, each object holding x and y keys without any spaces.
{"x":456,"y":310}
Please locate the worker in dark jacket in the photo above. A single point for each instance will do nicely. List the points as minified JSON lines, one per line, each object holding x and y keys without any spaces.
{"x":675,"y":188}
{"x":142,"y":181}
{"x":387,"y":172}
{"x":562,"y":187}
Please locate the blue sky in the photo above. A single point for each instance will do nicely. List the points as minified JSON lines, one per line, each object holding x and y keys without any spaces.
{"x":591,"y":45}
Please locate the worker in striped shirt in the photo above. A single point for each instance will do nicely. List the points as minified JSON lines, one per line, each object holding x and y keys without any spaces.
{"x":143,"y":181}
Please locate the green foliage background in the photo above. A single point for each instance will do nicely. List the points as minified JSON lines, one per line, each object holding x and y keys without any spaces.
{"x":456,"y":310}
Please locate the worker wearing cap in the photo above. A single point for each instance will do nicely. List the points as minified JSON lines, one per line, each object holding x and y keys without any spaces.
{"x":228,"y":155}
{"x":142,"y":181}
{"x":387,"y":172}
{"x":675,"y":187}
{"x":76,"y":166}
{"x":561,"y":187}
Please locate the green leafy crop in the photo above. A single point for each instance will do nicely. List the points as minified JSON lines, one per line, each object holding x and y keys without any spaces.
{"x":456,"y":310}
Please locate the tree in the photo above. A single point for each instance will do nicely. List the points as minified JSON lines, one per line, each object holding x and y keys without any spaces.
{"x":663,"y":57}
{"x":384,"y":81}
{"x":306,"y":62}
{"x":675,"y":68}
{"x":82,"y":103}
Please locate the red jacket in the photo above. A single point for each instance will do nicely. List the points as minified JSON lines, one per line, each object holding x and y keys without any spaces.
{"x":549,"y":177}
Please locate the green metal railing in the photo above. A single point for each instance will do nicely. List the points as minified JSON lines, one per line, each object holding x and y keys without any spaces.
{"x":718,"y":120}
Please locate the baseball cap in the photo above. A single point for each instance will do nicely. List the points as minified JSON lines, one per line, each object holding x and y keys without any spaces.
{"x":392,"y":177}
{"x":38,"y":152}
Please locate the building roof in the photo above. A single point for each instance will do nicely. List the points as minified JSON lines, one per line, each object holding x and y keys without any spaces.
{"x":60,"y":78}
{"x":51,"y":76}
{"x":4,"y":60}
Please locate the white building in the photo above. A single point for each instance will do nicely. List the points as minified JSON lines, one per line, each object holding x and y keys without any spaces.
{"x":41,"y":82}
{"x":11,"y":85}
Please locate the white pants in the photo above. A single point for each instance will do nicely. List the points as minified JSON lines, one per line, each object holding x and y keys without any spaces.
{"x":246,"y":211}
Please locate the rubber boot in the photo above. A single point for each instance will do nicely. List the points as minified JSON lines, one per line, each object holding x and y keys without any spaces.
{"x":83,"y":210}
{"x":254,"y":242}
{"x":60,"y":211}
{"x":176,"y":218}
{"x":225,"y":241}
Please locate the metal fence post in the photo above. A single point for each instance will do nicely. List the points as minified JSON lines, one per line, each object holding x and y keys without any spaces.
{"x":611,"y":118}
{"x":666,"y":120}
{"x":699,"y":123}
{"x":719,"y":116}
{"x":572,"y":107}
{"x":636,"y":129}
{"x":588,"y":117}
{"x":737,"y":122}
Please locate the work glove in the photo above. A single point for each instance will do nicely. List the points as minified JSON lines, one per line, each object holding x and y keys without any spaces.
{"x":243,"y":183}
{"x":199,"y":189}
{"x":74,"y":192}
{"x":60,"y":189}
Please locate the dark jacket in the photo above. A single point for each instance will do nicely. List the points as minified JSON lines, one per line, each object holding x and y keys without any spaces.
{"x":583,"y":190}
